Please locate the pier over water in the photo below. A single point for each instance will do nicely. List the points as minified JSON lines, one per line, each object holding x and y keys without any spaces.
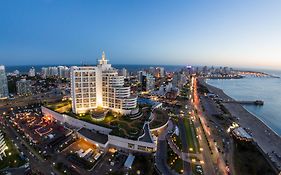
{"x":256,"y":102}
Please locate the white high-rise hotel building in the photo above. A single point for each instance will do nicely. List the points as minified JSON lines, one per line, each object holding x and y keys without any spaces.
{"x":100,"y":86}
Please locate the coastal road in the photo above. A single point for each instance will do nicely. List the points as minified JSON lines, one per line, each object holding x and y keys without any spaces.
{"x":267,"y":140}
{"x":218,"y":160}
{"x":23,"y":101}
{"x":205,"y":154}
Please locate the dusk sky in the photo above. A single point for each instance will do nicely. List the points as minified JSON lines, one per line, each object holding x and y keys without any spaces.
{"x":212,"y":32}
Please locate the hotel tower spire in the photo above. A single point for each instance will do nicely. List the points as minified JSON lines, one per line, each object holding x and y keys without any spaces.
{"x":103,"y":59}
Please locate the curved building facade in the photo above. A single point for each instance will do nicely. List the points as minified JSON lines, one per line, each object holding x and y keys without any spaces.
{"x":100,"y":86}
{"x":3,"y":146}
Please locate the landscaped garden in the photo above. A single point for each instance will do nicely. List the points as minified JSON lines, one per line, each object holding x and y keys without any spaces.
{"x":61,"y":107}
{"x":125,"y":127}
{"x":192,"y":141}
{"x":185,"y":91}
{"x":174,"y":161}
{"x":177,"y":141}
{"x":160,"y":118}
{"x":121,"y":125}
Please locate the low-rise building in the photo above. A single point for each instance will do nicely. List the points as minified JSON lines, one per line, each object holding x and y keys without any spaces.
{"x":102,"y":136}
{"x":24,"y":87}
{"x":241,"y":134}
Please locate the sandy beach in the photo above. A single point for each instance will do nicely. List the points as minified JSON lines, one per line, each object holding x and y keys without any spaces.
{"x":266,"y":139}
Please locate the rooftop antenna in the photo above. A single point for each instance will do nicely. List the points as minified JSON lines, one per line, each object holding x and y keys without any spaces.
{"x":84,"y":63}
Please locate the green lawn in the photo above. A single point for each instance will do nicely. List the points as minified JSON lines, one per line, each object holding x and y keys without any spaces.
{"x":121,"y":125}
{"x":62,"y":106}
{"x":195,"y":138}
{"x":160,"y":118}
{"x":189,"y":137}
{"x":13,"y":158}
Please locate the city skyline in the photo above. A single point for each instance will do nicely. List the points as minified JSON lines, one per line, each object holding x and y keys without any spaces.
{"x":187,"y":87}
{"x":149,"y":33}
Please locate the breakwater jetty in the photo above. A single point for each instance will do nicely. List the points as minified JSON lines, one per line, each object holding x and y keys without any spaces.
{"x":256,"y":102}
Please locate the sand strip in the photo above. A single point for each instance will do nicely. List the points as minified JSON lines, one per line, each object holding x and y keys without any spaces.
{"x":267,"y":140}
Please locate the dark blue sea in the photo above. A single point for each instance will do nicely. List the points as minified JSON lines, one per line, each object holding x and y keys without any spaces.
{"x":250,"y":88}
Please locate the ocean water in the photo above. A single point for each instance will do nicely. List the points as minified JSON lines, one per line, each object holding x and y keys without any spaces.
{"x":250,"y":88}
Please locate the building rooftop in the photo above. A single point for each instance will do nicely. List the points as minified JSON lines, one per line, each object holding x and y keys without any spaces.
{"x":94,"y":135}
{"x":146,"y":137}
{"x":241,"y":133}
{"x":129,"y":161}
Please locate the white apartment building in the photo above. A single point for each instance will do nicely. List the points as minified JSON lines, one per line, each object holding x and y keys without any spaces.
{"x":55,"y":71}
{"x":125,"y":73}
{"x":4,"y":93}
{"x":100,"y":86}
{"x":63,"y":72}
{"x":24,"y":87}
{"x":44,"y":72}
{"x":31,"y":72}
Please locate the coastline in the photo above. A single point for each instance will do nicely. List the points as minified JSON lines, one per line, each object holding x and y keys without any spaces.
{"x":266,"y":139}
{"x":254,"y":115}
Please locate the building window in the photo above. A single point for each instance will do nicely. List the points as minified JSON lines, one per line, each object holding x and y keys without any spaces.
{"x":131,"y":146}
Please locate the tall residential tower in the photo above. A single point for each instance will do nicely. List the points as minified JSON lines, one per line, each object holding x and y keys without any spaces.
{"x":4,"y":93}
{"x":100,"y":86}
